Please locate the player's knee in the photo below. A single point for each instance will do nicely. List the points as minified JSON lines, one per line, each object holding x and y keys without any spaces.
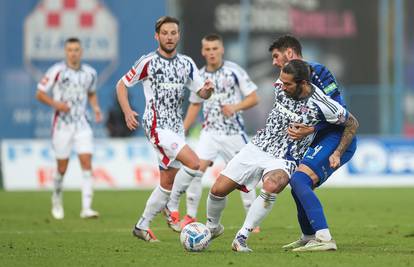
{"x":218,"y":189}
{"x":275,"y":183}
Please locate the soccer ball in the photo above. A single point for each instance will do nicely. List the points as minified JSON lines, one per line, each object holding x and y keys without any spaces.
{"x":195,"y":237}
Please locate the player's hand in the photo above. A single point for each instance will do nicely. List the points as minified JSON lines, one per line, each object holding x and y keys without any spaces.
{"x":98,"y":115}
{"x":297,"y":131}
{"x":228,"y":110}
{"x":207,"y":90}
{"x":131,"y":120}
{"x":61,"y":107}
{"x":335,"y":160}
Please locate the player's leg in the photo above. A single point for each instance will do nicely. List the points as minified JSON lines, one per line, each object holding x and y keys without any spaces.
{"x":313,"y":171}
{"x":307,"y":231}
{"x":85,"y":160}
{"x":155,"y":204}
{"x":83,"y":142}
{"x":216,"y":202}
{"x":185,"y":175}
{"x":273,"y":183}
{"x":62,"y":144}
{"x":193,"y":194}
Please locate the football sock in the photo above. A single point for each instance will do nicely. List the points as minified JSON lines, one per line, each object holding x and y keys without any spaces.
{"x":215,"y":207}
{"x":182,"y":180}
{"x":57,"y":183}
{"x":194,"y":192}
{"x":258,"y":211}
{"x":87,"y":189}
{"x":301,"y":184}
{"x":305,"y":226}
{"x":155,"y":203}
{"x":248,"y":199}
{"x":323,"y":235}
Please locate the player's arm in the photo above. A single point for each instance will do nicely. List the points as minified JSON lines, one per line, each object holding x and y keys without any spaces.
{"x":93,"y":101}
{"x":249,"y":101}
{"x":297,"y":131}
{"x":351,"y":125}
{"x":46,"y":99}
{"x":191,"y":116}
{"x":129,"y":114}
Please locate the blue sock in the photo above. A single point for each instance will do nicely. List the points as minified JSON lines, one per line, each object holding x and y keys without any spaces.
{"x":301,"y":184}
{"x":302,"y":218}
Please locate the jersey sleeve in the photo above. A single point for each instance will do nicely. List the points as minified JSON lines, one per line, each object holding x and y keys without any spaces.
{"x":138,"y":72}
{"x":331,"y":110}
{"x":195,"y":81}
{"x":49,"y":79}
{"x":94,"y":81}
{"x":246,"y":85}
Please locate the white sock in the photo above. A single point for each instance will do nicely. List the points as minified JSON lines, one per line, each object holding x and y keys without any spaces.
{"x":323,"y":235}
{"x":194,"y":192}
{"x":248,"y":199}
{"x":215,"y":207}
{"x":57,"y":184}
{"x":87,"y":189}
{"x":258,"y":211}
{"x":155,"y":203}
{"x":307,"y":237}
{"x":182,"y":180}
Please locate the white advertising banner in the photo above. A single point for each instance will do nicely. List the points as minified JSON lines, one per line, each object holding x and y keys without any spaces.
{"x":117,"y":164}
{"x":131,"y":164}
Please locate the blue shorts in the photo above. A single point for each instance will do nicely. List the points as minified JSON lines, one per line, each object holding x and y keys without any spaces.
{"x":317,"y":155}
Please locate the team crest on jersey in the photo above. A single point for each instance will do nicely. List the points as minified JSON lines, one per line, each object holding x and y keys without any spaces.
{"x":304,"y":109}
{"x":174,"y":146}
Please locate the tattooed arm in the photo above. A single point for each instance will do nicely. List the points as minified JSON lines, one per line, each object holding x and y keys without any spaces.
{"x":351,"y":125}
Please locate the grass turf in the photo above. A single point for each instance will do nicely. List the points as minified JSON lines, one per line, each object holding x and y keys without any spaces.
{"x":372,"y":227}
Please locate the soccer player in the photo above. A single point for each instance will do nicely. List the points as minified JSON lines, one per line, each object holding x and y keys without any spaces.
{"x":272,"y":155}
{"x":71,"y":84}
{"x":164,"y":74}
{"x":223,"y":128}
{"x":316,"y":166}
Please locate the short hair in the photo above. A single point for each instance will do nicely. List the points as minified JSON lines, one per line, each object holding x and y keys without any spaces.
{"x":287,"y":41}
{"x":72,"y":40}
{"x":213,"y":37}
{"x":163,"y":20}
{"x":299,"y":69}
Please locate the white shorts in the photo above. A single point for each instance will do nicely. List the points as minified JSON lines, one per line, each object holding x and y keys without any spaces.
{"x":167,"y":145}
{"x":67,"y":136}
{"x":249,"y":166}
{"x":211,"y":145}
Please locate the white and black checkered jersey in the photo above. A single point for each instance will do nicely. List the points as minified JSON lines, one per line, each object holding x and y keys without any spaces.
{"x":274,"y":139}
{"x":72,"y":87}
{"x":164,"y":81}
{"x":231,"y":84}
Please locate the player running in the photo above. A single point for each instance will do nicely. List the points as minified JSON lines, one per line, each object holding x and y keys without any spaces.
{"x":164,"y":75}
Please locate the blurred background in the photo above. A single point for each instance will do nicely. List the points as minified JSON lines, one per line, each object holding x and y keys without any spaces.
{"x":368,"y":45}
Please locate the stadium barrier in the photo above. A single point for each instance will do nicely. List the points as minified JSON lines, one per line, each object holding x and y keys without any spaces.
{"x":131,"y":164}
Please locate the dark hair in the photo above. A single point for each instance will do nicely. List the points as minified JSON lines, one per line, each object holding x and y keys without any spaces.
{"x":213,"y":37}
{"x":287,"y":41}
{"x":72,"y":40}
{"x":165,"y":19}
{"x":299,"y":69}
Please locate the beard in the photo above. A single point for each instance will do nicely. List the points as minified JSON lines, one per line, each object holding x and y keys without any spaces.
{"x":168,"y":50}
{"x":296,"y":94}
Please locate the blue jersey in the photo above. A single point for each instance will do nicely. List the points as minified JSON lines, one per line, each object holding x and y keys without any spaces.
{"x":328,"y":136}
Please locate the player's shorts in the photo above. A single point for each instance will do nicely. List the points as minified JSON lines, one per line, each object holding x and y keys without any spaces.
{"x":317,"y":156}
{"x":167,"y":145}
{"x":249,"y":166}
{"x":68,"y":136}
{"x":211,"y":145}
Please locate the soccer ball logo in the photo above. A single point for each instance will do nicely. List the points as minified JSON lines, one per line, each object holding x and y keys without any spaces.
{"x":195,"y":237}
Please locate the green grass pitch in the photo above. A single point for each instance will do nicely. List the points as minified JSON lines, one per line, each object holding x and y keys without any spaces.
{"x":372,"y":227}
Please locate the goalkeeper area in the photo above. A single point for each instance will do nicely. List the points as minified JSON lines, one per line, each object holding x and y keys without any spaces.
{"x":372,"y":227}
